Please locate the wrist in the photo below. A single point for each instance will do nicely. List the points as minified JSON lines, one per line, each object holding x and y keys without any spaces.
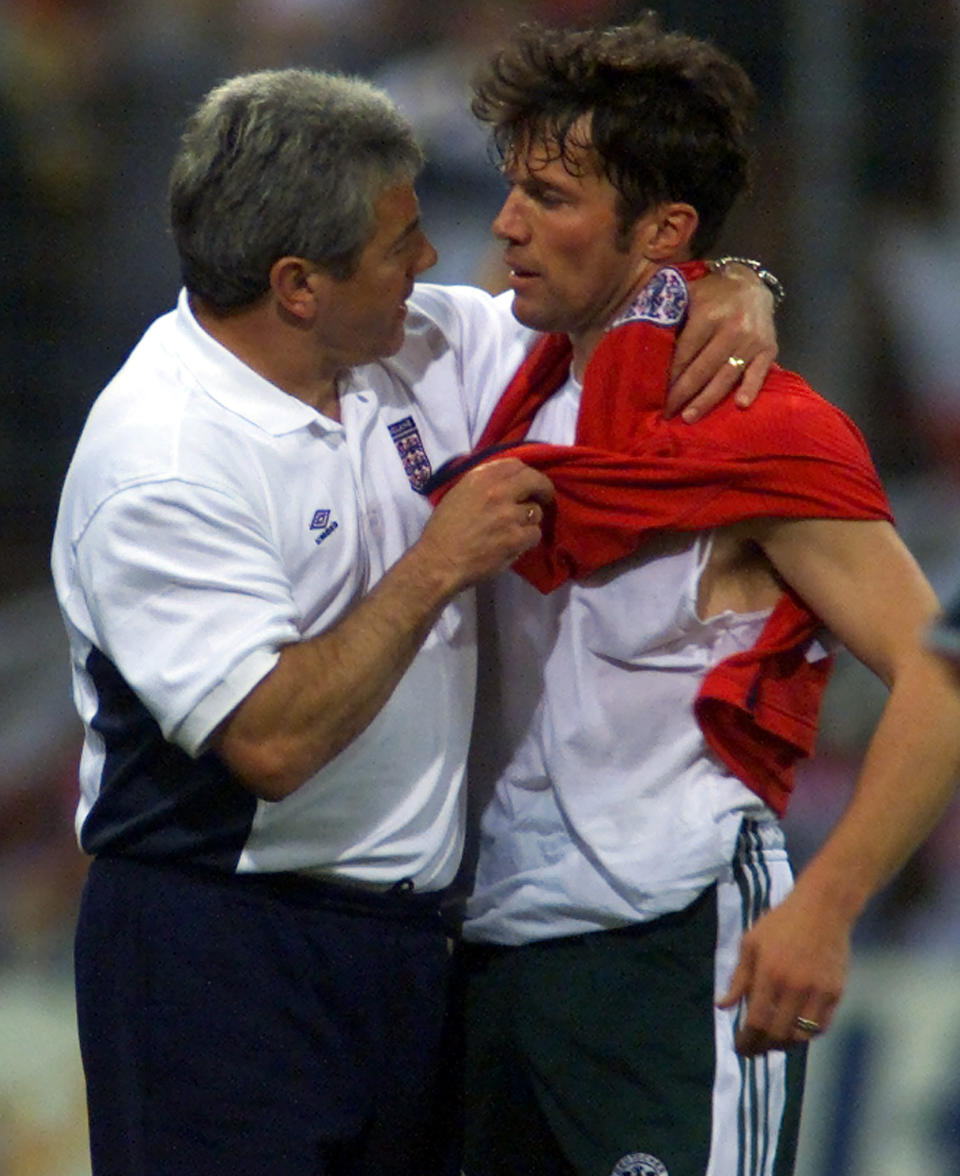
{"x":430,"y":573}
{"x":840,"y":895}
{"x":770,"y":280}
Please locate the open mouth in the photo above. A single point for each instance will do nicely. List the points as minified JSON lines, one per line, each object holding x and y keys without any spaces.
{"x":517,"y":270}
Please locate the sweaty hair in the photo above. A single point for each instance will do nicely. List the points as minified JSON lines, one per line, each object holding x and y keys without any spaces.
{"x":282,"y":163}
{"x":667,"y":116}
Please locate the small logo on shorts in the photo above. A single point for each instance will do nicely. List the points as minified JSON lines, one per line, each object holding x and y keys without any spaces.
{"x":416,"y":464}
{"x":321,"y":522}
{"x":639,"y":1164}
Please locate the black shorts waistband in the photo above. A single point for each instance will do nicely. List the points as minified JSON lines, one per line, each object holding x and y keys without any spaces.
{"x":401,"y":901}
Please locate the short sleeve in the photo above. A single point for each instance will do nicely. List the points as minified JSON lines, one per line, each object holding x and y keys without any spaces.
{"x":186,"y":595}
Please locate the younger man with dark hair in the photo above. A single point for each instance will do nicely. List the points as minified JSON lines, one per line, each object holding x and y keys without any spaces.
{"x":640,"y":965}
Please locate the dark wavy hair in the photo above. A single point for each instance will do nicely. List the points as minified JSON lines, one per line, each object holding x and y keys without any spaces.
{"x":667,"y":116}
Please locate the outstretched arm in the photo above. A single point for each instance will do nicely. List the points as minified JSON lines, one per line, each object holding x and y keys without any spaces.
{"x":862,"y":581}
{"x":731,"y":316}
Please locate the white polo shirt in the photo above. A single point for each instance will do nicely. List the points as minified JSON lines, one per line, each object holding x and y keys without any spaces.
{"x":208,"y":519}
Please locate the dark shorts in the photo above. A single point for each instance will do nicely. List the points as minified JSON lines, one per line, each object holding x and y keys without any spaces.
{"x":257,"y":1028}
{"x":603,"y":1055}
{"x":583,"y":1049}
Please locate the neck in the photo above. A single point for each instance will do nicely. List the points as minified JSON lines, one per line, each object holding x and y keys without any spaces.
{"x":584,"y":345}
{"x":278,"y":351}
{"x":585,"y":342}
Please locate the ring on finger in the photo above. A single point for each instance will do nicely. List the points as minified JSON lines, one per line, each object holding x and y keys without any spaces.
{"x":737,"y":362}
{"x":807,"y":1025}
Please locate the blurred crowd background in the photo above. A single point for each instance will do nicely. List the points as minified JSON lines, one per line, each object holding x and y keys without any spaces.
{"x":856,"y":206}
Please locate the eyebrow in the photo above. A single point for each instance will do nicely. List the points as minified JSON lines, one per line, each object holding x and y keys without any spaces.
{"x":534,"y":185}
{"x":525,"y":176}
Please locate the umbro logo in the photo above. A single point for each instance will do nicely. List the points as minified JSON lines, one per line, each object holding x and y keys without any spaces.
{"x":321,"y":522}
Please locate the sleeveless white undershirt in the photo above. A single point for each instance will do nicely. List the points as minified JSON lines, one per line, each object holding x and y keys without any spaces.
{"x":607,"y":806}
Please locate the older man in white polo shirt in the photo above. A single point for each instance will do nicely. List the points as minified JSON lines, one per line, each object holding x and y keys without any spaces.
{"x":274,"y":654}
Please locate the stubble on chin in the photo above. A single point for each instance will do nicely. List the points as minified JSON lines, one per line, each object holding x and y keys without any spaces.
{"x":529,"y":316}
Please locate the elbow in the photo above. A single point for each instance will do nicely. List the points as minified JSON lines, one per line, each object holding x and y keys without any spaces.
{"x":269,"y":768}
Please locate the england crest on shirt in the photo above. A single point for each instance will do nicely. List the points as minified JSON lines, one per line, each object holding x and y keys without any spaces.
{"x":416,"y":464}
{"x":663,"y":300}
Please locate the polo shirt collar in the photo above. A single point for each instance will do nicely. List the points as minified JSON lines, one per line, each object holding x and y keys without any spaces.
{"x":237,"y":387}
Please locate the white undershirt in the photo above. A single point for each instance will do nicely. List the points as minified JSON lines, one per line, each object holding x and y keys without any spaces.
{"x":608,"y":807}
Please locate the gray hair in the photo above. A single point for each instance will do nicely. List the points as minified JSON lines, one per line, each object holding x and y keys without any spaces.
{"x":282,"y":163}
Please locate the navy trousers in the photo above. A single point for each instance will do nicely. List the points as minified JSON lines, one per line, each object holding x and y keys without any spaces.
{"x":259,"y":1026}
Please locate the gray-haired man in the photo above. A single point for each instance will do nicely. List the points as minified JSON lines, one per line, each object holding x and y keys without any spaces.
{"x":274,"y":654}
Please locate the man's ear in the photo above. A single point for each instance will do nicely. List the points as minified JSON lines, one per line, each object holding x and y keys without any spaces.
{"x":300,"y":288}
{"x":670,"y":232}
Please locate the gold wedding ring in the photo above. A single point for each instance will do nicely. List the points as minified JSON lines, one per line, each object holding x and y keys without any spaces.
{"x":736,"y":361}
{"x":805,"y":1025}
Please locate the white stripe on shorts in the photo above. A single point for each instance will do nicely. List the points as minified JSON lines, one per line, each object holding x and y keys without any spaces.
{"x":748,"y":1093}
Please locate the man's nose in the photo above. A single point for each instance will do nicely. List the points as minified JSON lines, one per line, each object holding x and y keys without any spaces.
{"x":510,"y":223}
{"x":427,"y":256}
